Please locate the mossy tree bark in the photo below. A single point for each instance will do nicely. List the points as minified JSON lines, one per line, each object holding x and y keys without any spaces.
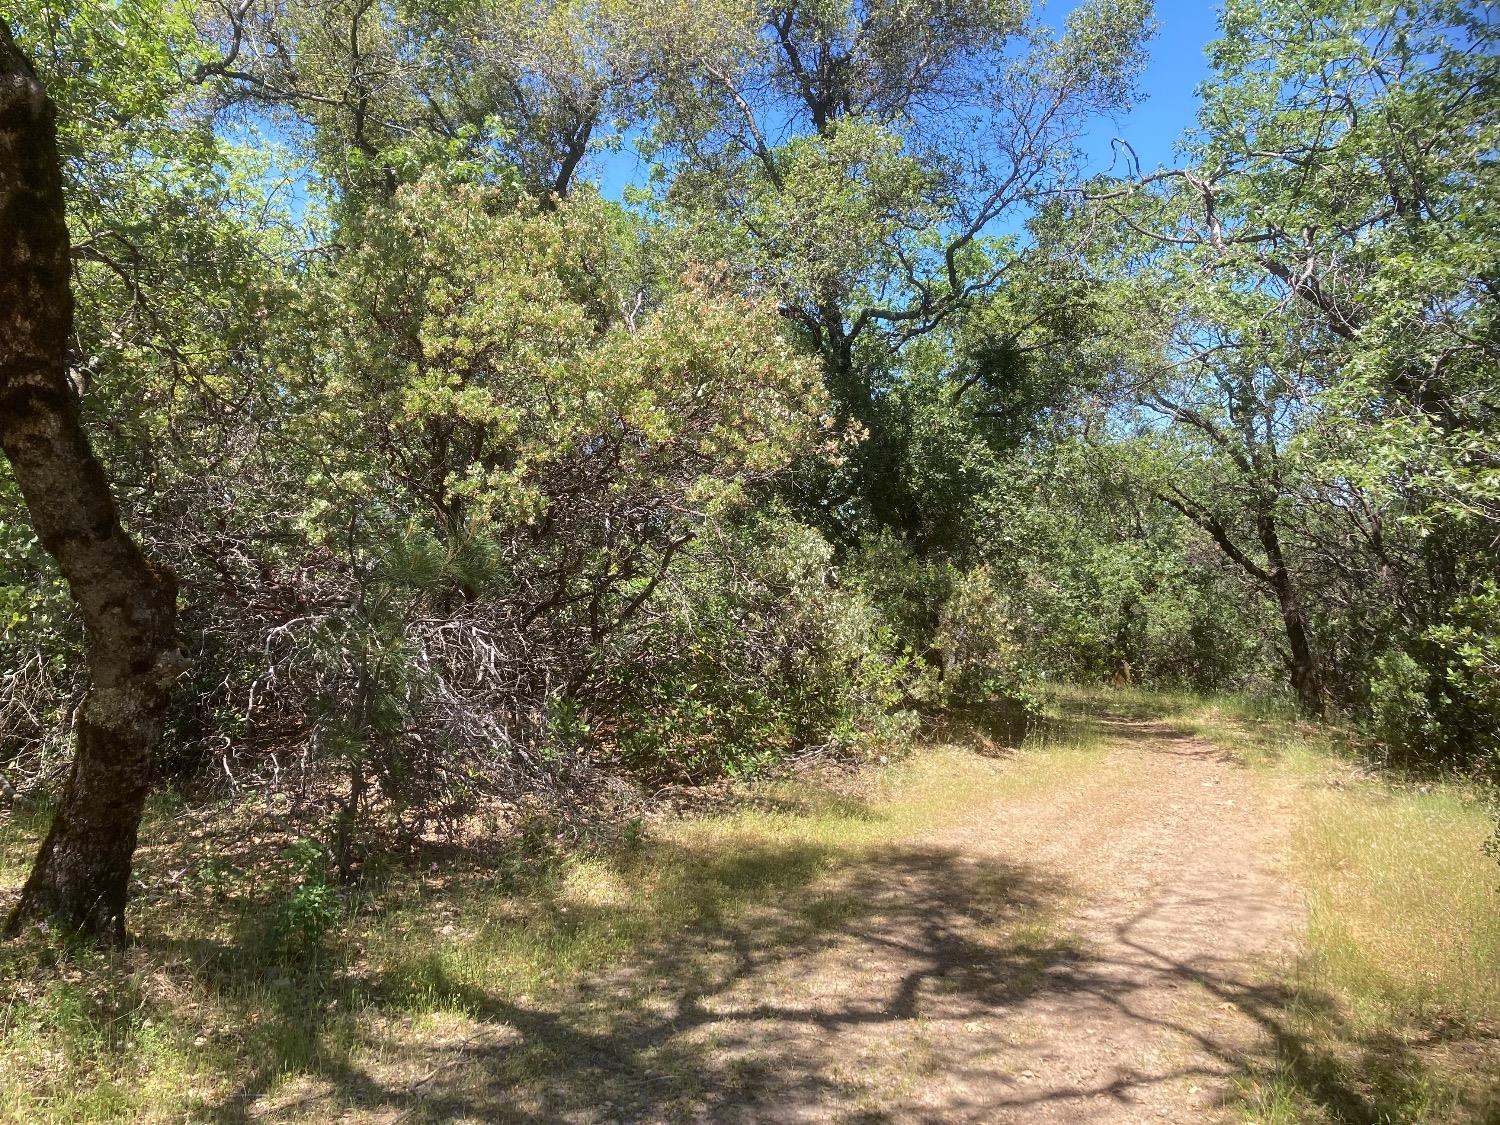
{"x":128,"y":606}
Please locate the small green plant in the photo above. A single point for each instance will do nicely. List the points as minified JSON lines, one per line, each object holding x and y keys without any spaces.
{"x":302,"y":919}
{"x":218,"y":877}
{"x":633,"y":835}
{"x":757,"y":657}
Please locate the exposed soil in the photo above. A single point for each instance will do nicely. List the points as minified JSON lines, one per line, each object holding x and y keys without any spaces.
{"x":1184,"y":907}
{"x":1097,"y":952}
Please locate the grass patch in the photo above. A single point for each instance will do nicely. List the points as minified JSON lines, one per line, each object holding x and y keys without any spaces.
{"x":556,"y":965}
{"x":213,"y":1016}
{"x":1395,"y":1012}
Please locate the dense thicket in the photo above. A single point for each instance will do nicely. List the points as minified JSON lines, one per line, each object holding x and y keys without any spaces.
{"x":864,"y":404}
{"x":1320,"y":283}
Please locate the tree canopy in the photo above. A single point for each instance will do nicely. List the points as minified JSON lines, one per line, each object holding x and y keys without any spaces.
{"x":869,"y":401}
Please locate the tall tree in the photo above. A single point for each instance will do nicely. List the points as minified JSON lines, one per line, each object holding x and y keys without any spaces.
{"x":1231,"y":393}
{"x":870,"y":165}
{"x":81,"y":876}
{"x":1326,"y":265}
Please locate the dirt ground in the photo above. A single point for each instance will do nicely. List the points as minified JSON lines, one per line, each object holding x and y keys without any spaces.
{"x":1097,"y":952}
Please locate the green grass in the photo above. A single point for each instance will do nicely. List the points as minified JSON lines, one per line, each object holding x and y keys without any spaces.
{"x":210,"y":1013}
{"x":1395,"y":1012}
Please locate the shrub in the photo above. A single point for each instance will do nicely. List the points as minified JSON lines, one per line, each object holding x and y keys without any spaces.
{"x":299,"y":922}
{"x":955,"y":628}
{"x":1437,"y":699}
{"x":750,"y":653}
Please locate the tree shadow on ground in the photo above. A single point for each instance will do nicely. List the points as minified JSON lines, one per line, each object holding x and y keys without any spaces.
{"x":797,"y":973}
{"x":707,"y":1024}
{"x":743,"y":1022}
{"x":1268,"y":1003}
{"x":1158,"y":737}
{"x":1152,"y":729}
{"x":737,"y":1019}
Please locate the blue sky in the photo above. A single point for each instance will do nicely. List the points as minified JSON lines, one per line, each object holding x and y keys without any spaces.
{"x":1165,"y":108}
{"x":1167,"y":105}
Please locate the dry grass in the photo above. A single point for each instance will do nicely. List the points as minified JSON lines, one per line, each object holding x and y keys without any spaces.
{"x":210,"y":1017}
{"x":1403,"y":907}
{"x":1391,"y":1016}
{"x":1396,"y":1005}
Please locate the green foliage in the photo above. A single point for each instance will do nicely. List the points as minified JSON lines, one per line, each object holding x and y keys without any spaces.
{"x":38,"y":648}
{"x":1320,"y":285}
{"x":1109,"y":586}
{"x":521,"y":428}
{"x":492,"y":344}
{"x":1400,"y":715}
{"x":302,"y":918}
{"x":957,"y":631}
{"x":1429,"y":700}
{"x":750,"y":655}
{"x":478,"y":484}
{"x":820,"y":172}
{"x":460,"y":465}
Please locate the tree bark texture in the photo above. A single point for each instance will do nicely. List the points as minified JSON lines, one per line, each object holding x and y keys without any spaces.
{"x":81,"y":876}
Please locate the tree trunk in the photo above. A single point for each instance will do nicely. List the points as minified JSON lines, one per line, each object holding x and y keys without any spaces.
{"x":1307,"y":679}
{"x":1275,"y":578}
{"x":128,"y":607}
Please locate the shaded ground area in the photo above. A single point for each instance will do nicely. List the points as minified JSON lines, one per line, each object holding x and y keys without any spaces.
{"x":1086,"y":953}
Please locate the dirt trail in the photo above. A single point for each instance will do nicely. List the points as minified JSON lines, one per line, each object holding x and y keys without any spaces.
{"x":1183,"y":906}
{"x":1095,"y":952}
{"x":936,"y":1010}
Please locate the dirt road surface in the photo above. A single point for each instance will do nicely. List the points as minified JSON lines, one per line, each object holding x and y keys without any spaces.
{"x":1099,"y":950}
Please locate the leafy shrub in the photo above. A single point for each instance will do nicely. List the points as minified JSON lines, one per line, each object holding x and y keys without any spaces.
{"x":1468,"y":644}
{"x":975,"y":640}
{"x":497,"y":432}
{"x":750,"y":653}
{"x":1438,"y":698}
{"x":955,"y":628}
{"x":1400,"y":718}
{"x":40,"y":673}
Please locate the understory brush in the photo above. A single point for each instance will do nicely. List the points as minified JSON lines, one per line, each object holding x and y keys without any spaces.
{"x":749,"y":654}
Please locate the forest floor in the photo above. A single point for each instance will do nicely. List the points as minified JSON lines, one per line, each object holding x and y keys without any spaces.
{"x":1099,"y":949}
{"x":1145,"y":917}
